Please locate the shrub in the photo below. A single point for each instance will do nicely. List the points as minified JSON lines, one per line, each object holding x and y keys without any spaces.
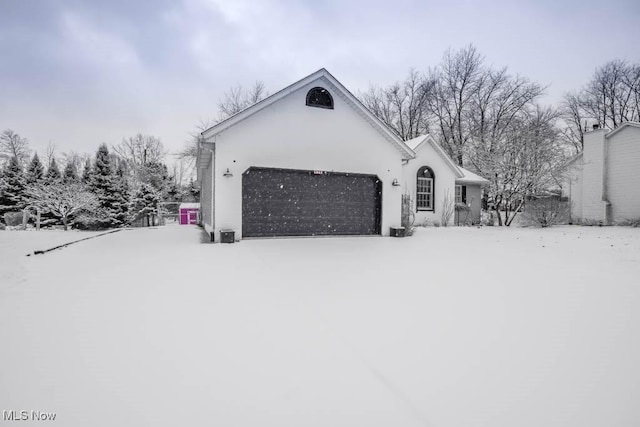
{"x":630,"y":222}
{"x":92,"y":221}
{"x":13,"y":219}
{"x":488,"y":218}
{"x":408,"y":217}
{"x":2,"y":226}
{"x":545,"y":212}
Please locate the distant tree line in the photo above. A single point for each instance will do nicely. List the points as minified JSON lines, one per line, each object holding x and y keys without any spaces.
{"x":107,"y":190}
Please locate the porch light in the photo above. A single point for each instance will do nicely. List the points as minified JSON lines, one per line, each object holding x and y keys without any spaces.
{"x":395,"y":182}
{"x":227,"y":174}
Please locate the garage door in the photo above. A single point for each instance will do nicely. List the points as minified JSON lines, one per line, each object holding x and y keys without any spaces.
{"x":284,"y":202}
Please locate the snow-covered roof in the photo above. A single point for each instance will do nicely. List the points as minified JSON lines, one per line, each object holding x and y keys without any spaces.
{"x":322,"y":73}
{"x":415,"y":144}
{"x":470,"y":178}
{"x":189,"y":205}
{"x":622,"y":126}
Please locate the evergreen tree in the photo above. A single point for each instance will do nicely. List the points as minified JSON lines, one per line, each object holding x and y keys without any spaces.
{"x":12,"y":197}
{"x":53,"y":173}
{"x":70,"y":173}
{"x":107,"y":186}
{"x":86,"y":172}
{"x":35,"y":170}
{"x":145,"y":203}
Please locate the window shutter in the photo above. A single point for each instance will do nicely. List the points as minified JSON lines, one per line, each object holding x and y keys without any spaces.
{"x":464,"y":194}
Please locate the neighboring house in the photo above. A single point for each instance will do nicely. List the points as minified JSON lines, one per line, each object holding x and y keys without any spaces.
{"x":309,"y":160}
{"x":602,"y":183}
{"x":433,"y":180}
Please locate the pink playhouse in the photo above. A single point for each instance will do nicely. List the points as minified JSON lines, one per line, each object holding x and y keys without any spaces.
{"x":189,"y":213}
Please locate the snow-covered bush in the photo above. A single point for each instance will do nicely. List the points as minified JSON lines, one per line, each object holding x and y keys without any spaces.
{"x":408,"y":217}
{"x":13,"y":219}
{"x":462,"y":213}
{"x":488,"y":218}
{"x":448,"y":209}
{"x":545,"y":212}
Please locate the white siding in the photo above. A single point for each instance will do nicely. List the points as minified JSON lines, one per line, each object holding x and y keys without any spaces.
{"x":206,"y":198}
{"x":623,"y":168}
{"x":290,"y":135}
{"x":593,"y":175}
{"x":444,"y":177}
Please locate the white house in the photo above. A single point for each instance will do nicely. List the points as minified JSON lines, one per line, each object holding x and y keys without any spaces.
{"x":311,"y":160}
{"x":602,"y":183}
{"x":433,"y":179}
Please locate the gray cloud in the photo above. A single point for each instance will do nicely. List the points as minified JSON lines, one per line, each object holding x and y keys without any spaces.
{"x":79,"y":73}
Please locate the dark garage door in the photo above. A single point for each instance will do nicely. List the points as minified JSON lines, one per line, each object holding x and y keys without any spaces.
{"x":284,"y":202}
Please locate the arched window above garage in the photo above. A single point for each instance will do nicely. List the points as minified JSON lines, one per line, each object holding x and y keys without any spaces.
{"x":319,"y":97}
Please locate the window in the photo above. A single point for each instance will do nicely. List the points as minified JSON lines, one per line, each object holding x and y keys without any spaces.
{"x":424,"y":189}
{"x":461,"y":194}
{"x":319,"y":97}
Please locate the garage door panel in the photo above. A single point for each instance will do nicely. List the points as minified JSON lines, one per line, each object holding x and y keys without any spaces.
{"x":278,"y":202}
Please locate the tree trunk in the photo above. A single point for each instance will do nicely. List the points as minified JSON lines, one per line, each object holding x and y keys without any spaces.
{"x":65,"y":223}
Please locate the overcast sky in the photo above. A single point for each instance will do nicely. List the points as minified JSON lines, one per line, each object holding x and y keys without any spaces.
{"x":79,"y":73}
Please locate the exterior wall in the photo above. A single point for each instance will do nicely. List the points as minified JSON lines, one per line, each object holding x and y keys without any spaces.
{"x":444,"y":182}
{"x":594,"y":208}
{"x":290,"y":135}
{"x":623,"y":174}
{"x":206,"y":198}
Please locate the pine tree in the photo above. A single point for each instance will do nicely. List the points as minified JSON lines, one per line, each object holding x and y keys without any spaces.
{"x":12,"y":197}
{"x":107,"y":186}
{"x":70,"y":174}
{"x":86,"y":172}
{"x":35,"y":170}
{"x":53,"y":173}
{"x":145,"y":203}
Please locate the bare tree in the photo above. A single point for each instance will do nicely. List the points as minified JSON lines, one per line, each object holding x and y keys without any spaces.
{"x":238,"y":98}
{"x":612,"y":97}
{"x":63,"y":201}
{"x":403,"y":105}
{"x":50,"y":153}
{"x":13,"y":145}
{"x":234,"y":100}
{"x":140,"y":150}
{"x":575,"y":121}
{"x":473,"y":103}
{"x":456,"y":81}
{"x":524,"y":161}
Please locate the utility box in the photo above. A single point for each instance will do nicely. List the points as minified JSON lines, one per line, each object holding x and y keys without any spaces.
{"x":227,"y":236}
{"x":396,"y":231}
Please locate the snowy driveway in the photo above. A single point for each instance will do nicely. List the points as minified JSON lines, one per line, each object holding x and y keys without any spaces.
{"x":452,"y":327}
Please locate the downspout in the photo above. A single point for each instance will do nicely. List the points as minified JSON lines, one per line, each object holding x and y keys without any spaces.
{"x":213,"y":190}
{"x":605,"y":179}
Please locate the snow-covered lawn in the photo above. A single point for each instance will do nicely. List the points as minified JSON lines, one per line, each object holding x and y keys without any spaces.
{"x":452,"y":327}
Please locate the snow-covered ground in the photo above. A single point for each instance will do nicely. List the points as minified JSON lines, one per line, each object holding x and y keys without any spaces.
{"x":452,"y":327}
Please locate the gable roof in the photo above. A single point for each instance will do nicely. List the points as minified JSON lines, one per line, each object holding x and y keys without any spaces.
{"x":341,"y":91}
{"x":416,"y":143}
{"x":622,"y":126}
{"x":470,"y":178}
